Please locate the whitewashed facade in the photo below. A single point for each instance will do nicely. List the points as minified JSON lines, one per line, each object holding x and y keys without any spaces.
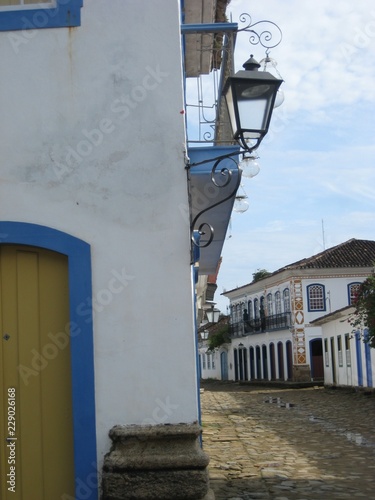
{"x":273,"y":334}
{"x":92,"y":165}
{"x":348,"y":359}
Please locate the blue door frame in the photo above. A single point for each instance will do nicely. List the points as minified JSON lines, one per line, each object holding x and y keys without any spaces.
{"x":82,"y":354}
{"x":224,"y":365}
{"x":368,"y":360}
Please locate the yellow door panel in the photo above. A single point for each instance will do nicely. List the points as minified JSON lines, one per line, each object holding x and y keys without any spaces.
{"x":35,"y":360}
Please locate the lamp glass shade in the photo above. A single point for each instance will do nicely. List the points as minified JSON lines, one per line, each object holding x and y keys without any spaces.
{"x":213,"y":315}
{"x":240,"y":204}
{"x":254,"y":105}
{"x":250,"y":98}
{"x":249,"y":166}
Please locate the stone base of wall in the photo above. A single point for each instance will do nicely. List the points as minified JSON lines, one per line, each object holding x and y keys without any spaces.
{"x":160,"y":462}
{"x":301,"y":373}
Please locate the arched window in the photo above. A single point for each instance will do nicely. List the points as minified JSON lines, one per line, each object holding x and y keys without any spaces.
{"x":269,"y":304}
{"x":353,"y":289}
{"x":278,"y":303}
{"x":242,"y":311}
{"x":256,"y":308}
{"x":261,"y":305}
{"x":238,"y":313}
{"x":250,"y":309}
{"x":286,"y":300}
{"x":231,"y":308}
{"x":316,"y":297}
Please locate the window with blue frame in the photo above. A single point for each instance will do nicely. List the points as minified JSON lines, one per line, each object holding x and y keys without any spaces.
{"x":316,"y":297}
{"x":353,"y":289}
{"x":37,"y":14}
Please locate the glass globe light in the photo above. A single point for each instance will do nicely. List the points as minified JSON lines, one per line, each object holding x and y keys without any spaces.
{"x":240,"y":204}
{"x":269,"y":65}
{"x":249,"y":166}
{"x":279,"y":99}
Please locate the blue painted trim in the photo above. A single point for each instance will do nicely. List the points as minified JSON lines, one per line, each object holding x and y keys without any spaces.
{"x":187,"y":29}
{"x":67,"y":13}
{"x":308,"y":297}
{"x":348,"y":290}
{"x":359,"y":358}
{"x":82,"y":353}
{"x":196,"y":250}
{"x":368,"y":359}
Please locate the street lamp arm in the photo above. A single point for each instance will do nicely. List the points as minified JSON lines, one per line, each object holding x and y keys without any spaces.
{"x":270,"y":35}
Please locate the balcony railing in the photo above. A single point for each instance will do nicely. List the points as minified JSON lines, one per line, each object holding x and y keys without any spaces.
{"x":260,"y":325}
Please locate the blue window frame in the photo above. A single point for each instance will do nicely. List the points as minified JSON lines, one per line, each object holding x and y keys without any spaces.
{"x":316,"y":297}
{"x":53,"y":14}
{"x":353,"y":289}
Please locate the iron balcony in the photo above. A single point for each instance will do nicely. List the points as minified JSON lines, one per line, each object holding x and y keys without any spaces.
{"x":260,"y":325}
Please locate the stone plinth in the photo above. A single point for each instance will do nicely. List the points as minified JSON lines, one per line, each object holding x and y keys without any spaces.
{"x":160,"y":462}
{"x":301,"y":373}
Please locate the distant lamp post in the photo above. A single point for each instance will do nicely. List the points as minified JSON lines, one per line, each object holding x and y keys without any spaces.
{"x":250,"y":96}
{"x":213,"y":314}
{"x":204,"y":334}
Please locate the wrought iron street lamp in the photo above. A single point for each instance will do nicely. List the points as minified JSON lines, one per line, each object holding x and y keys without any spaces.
{"x":213,"y":314}
{"x":250,"y":96}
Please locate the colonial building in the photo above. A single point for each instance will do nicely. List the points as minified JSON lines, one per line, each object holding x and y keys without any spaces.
{"x":348,"y":359}
{"x":273,"y":332}
{"x":99,"y":201}
{"x":213,"y":363}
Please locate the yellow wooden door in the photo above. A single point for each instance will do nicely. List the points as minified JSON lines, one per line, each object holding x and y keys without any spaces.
{"x":35,"y":378}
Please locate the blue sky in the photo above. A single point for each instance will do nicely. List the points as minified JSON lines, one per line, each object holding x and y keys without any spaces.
{"x":318,"y":161}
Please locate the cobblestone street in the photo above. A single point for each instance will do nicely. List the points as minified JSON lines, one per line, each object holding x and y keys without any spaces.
{"x":286,"y":444}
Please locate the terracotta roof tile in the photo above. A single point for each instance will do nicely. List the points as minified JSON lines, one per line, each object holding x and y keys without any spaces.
{"x":352,"y":253}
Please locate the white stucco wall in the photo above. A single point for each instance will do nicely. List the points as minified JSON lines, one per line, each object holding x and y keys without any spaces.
{"x":336,"y":293}
{"x":92,"y":144}
{"x":210,"y":367}
{"x":342,"y":369}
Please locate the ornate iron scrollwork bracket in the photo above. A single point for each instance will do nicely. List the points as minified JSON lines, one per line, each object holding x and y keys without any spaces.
{"x":264,"y":33}
{"x":221,"y":186}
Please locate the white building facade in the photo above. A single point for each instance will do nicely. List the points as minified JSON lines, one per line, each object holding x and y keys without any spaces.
{"x":349,"y":361}
{"x":95,"y":234}
{"x":273,"y":333}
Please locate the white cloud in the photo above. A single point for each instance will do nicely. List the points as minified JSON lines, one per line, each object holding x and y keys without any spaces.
{"x":317,"y":178}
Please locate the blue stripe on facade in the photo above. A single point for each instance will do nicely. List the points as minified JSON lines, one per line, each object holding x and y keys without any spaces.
{"x":368,"y":359}
{"x":67,"y":13}
{"x":82,"y":354}
{"x":359,"y":358}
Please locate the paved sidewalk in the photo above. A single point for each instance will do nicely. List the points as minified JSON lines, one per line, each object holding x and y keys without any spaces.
{"x":287,"y":444}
